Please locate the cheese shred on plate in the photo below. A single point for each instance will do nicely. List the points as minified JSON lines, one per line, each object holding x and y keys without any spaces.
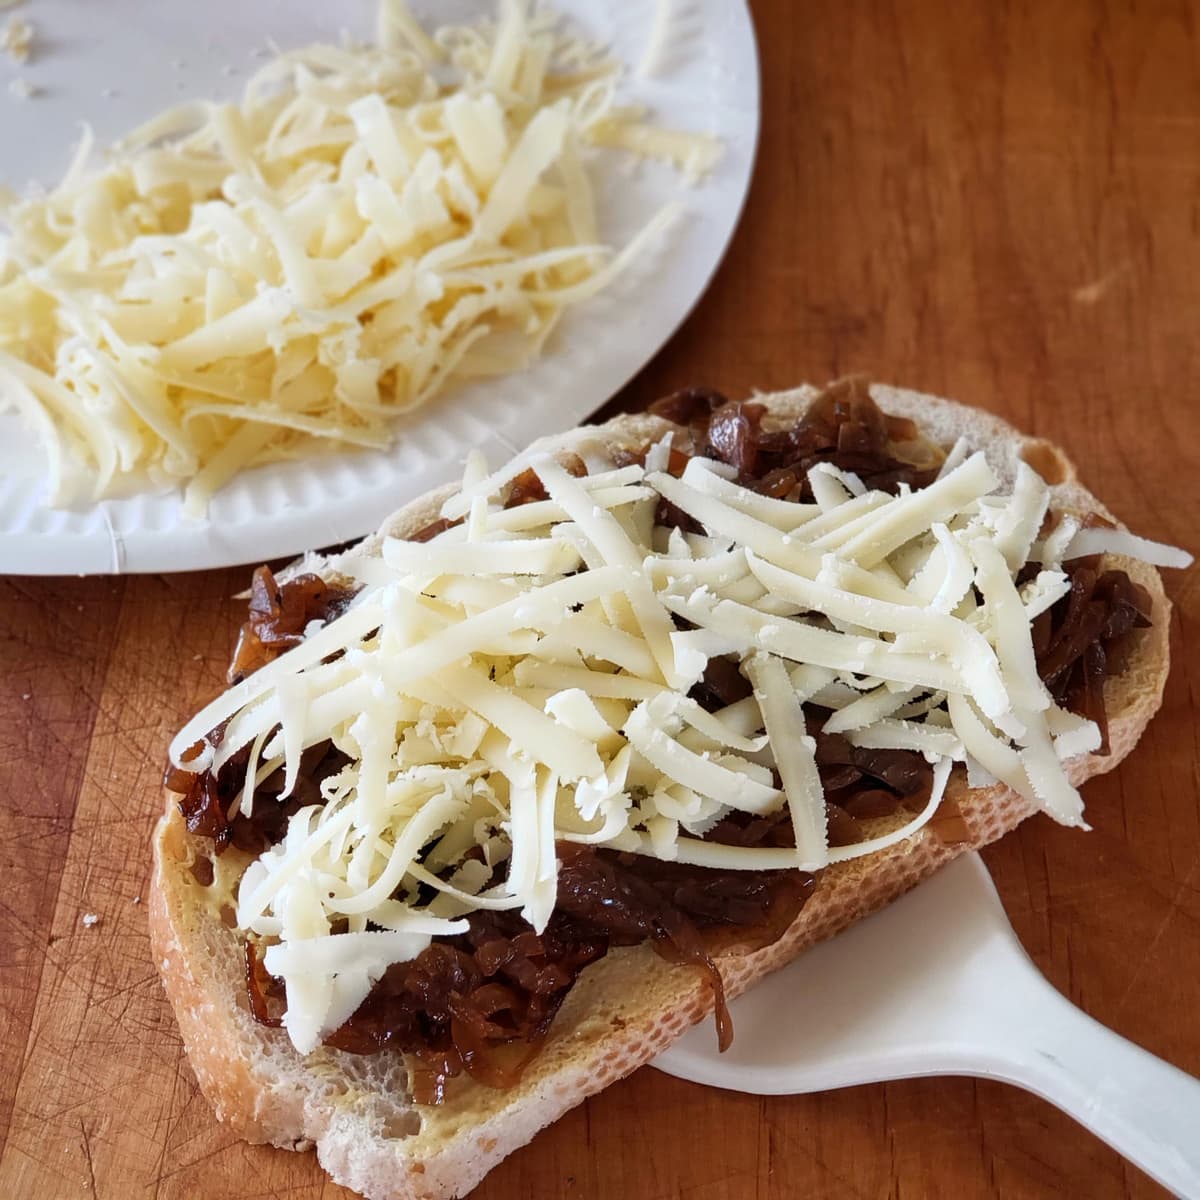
{"x":520,"y":680}
{"x":248,"y":282}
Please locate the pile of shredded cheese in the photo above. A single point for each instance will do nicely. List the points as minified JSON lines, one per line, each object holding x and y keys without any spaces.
{"x":520,"y":679}
{"x":249,"y":282}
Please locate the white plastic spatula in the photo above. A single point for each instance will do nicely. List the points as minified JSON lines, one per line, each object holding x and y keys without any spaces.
{"x":937,"y":984}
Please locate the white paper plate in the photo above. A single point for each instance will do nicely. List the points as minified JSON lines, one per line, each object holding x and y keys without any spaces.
{"x":116,"y":62}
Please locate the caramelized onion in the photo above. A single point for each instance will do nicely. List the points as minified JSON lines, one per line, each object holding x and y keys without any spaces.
{"x":842,"y":426}
{"x":527,"y":487}
{"x":208,"y":803}
{"x":1075,"y":639}
{"x":721,"y":684}
{"x":690,"y":404}
{"x":482,"y":1003}
{"x":847,"y":769}
{"x":279,"y":615}
{"x":430,"y":531}
{"x":258,"y":985}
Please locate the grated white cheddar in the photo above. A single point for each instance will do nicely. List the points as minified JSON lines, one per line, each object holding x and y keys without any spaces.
{"x":1120,"y":541}
{"x":254,"y":281}
{"x":519,"y":680}
{"x":17,"y":39}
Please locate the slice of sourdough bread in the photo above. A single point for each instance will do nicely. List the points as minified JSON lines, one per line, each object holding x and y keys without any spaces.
{"x":368,"y":1133}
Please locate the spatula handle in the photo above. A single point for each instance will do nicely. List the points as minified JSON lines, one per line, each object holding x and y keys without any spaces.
{"x":1144,"y":1108}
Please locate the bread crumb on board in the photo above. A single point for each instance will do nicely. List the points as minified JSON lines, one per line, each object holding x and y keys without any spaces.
{"x":91,"y":920}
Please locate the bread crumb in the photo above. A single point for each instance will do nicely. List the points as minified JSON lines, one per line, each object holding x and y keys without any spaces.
{"x":91,"y":920}
{"x":1094,"y":292}
{"x":137,"y":900}
{"x":17,"y":39}
{"x":26,"y":695}
{"x":22,"y":89}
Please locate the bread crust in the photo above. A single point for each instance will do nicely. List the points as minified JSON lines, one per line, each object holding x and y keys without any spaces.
{"x":625,"y":1008}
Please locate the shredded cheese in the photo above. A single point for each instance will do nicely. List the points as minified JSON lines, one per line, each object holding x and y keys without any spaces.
{"x":652,"y":53}
{"x":17,"y":39}
{"x":254,"y":281}
{"x":520,"y":679}
{"x":1121,"y":541}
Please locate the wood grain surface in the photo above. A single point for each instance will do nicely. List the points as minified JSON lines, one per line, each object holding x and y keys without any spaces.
{"x":998,"y":200}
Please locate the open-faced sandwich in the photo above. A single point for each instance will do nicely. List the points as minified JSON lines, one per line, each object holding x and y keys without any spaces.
{"x":503,"y":799}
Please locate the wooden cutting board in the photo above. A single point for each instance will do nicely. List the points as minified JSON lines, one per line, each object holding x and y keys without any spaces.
{"x":999,"y":201}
